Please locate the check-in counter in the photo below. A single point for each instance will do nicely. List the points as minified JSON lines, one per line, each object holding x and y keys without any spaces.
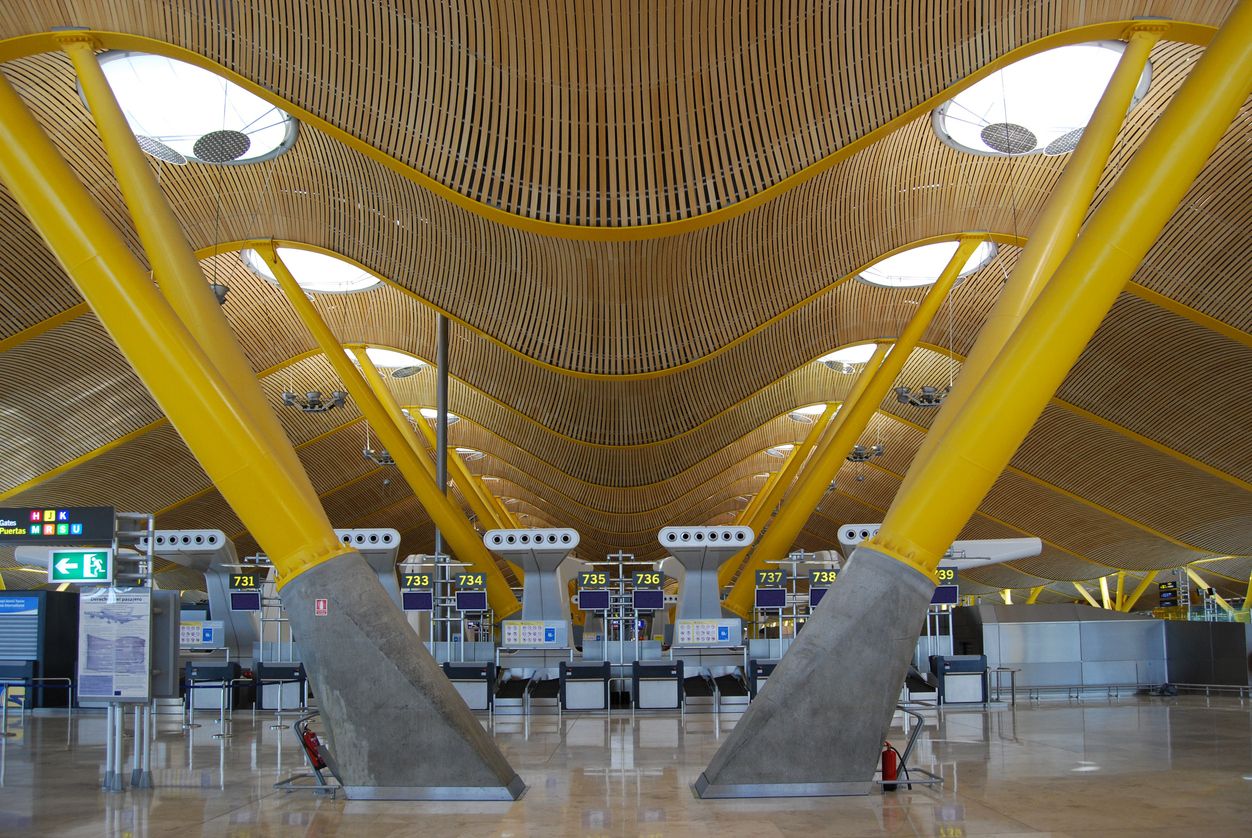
{"x":585,"y":686}
{"x":657,"y":686}
{"x":476,"y":682}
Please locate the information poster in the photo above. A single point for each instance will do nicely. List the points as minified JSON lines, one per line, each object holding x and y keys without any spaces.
{"x":518,"y":634}
{"x":708,"y":633}
{"x":115,"y":644}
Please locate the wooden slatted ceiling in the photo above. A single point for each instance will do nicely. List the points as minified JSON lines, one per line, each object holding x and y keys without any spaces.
{"x":311,"y":192}
{"x":646,"y":306}
{"x":596,"y":114}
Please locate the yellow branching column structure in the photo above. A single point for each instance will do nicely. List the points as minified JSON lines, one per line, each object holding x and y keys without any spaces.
{"x":380,"y":692}
{"x":854,"y":651}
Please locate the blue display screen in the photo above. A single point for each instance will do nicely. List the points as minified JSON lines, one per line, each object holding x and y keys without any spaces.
{"x":648,"y":600}
{"x":815,"y":596}
{"x":471,"y":600}
{"x":245,"y":600}
{"x":418,"y":600}
{"x":589,"y":600}
{"x":946,"y":595}
{"x":771,"y":597}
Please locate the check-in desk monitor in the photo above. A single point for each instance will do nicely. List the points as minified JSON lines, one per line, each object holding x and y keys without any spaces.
{"x":418,"y":600}
{"x":245,"y":600}
{"x":946,"y":595}
{"x":593,"y":600}
{"x":771,"y":597}
{"x":815,"y":596}
{"x":471,"y":600}
{"x":648,"y":600}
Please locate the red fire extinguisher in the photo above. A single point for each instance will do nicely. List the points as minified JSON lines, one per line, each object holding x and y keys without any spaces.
{"x":890,"y":767}
{"x":313,"y":747}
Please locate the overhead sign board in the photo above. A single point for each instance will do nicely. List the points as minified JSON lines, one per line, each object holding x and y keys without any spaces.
{"x":593,"y":579}
{"x":245,"y":581}
{"x":471,"y":581}
{"x":50,"y":525}
{"x":648,"y":578}
{"x":771,"y":578}
{"x":416,"y":580}
{"x":822,"y":577}
{"x":82,"y":567}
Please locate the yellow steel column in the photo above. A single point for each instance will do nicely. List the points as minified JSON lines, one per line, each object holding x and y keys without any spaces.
{"x":1138,"y":591}
{"x":461,"y":536}
{"x":774,"y":490}
{"x":201,"y":405}
{"x":1006,"y":596}
{"x":1247,"y":598}
{"x":1053,"y":234}
{"x":1086,"y":595}
{"x":1034,"y":595}
{"x":174,"y":265}
{"x":1104,"y":594}
{"x":1121,"y":587}
{"x":928,"y":513}
{"x":850,"y":423}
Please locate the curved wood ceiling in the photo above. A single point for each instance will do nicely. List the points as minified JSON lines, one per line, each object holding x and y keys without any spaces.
{"x":620,"y":386}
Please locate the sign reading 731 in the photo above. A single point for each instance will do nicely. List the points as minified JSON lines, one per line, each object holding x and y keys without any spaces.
{"x":91,"y":566}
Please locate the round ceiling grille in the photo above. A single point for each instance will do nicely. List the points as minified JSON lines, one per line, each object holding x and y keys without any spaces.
{"x":1065,"y":143}
{"x":221,"y":146}
{"x":1009,"y":138}
{"x":160,"y":150}
{"x":406,"y":372}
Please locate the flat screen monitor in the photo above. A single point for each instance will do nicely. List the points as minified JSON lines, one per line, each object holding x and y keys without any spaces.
{"x":648,"y":600}
{"x":471,"y":600}
{"x":771,"y":597}
{"x":593,"y":600}
{"x":946,"y":595}
{"x":815,"y":596}
{"x":418,"y":600}
{"x":245,"y":600}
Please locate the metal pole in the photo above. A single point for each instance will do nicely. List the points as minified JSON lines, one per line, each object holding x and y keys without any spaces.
{"x":441,"y":410}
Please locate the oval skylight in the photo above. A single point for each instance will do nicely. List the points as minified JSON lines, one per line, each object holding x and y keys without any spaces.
{"x":849,"y":355}
{"x":470,"y":454}
{"x":804,"y":415}
{"x":432,"y":414}
{"x":1040,"y":104}
{"x":180,"y":112}
{"x":314,"y":272}
{"x":780,"y":451}
{"x":922,"y":265}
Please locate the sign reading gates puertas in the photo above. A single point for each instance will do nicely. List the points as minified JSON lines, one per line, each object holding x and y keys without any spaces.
{"x":78,"y":526}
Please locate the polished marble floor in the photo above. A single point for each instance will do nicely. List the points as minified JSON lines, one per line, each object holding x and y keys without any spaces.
{"x":1137,"y":766}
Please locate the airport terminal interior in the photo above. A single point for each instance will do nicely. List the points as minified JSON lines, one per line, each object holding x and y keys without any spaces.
{"x":637,"y":417}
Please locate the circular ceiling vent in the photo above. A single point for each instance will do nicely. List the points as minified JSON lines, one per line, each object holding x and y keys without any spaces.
{"x":1009,"y":138}
{"x":222,"y":146}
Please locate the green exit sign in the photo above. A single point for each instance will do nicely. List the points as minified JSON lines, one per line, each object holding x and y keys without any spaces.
{"x":89,"y":566}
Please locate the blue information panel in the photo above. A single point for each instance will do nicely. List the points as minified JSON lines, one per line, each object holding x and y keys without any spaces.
{"x":471,"y":600}
{"x":593,"y":600}
{"x":946,"y":595}
{"x":648,"y":599}
{"x":815,"y":596}
{"x":771,"y":597}
{"x":420,"y":600}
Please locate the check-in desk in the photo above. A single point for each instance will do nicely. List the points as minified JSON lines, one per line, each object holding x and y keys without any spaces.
{"x":476,"y":682}
{"x":211,"y":680}
{"x":758,"y":674}
{"x":657,"y":685}
{"x":585,"y":686}
{"x":962,"y":678}
{"x":279,"y":686}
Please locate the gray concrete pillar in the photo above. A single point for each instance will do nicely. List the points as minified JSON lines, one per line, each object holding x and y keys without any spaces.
{"x":397,"y":728}
{"x":817,"y":728}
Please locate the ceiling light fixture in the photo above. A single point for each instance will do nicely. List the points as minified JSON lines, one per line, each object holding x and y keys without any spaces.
{"x":1040,"y":104}
{"x":861,"y":454}
{"x":182,"y":113}
{"x":924,"y":396}
{"x":313,"y":401}
{"x":317,"y":273}
{"x":220,"y":290}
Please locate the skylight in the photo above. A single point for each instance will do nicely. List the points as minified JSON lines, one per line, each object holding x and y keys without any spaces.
{"x":1040,"y":104}
{"x":922,"y":265}
{"x":180,"y":112}
{"x":470,"y":454}
{"x":804,"y":415}
{"x":858,"y":354}
{"x":432,"y":414}
{"x":313,"y":271}
{"x":780,"y":450}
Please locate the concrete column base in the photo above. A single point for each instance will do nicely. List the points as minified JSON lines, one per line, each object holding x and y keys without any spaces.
{"x":817,"y":728}
{"x":397,"y":727}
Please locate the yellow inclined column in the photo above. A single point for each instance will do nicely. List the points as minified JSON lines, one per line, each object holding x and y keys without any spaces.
{"x":466,"y":543}
{"x":851,"y":422}
{"x":1138,"y":591}
{"x":221,"y":433}
{"x":174,"y":264}
{"x":929,"y":512}
{"x":774,"y":489}
{"x":1052,"y":235}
